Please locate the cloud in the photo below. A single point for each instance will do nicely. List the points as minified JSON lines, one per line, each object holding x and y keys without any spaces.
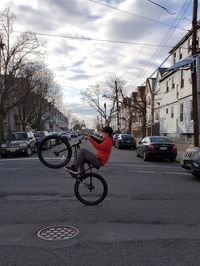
{"x":77,"y":64}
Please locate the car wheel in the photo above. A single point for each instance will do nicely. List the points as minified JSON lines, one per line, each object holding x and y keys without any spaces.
{"x":4,"y":155}
{"x":29,"y":151}
{"x":145,"y":157}
{"x":172,"y":159}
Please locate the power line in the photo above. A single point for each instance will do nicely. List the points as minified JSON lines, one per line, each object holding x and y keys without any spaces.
{"x":132,"y":14}
{"x":141,"y":48}
{"x":163,"y":7}
{"x":165,"y":40}
{"x":94,"y":39}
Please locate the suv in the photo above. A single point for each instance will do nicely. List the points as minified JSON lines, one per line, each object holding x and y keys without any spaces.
{"x":191,"y":161}
{"x":18,"y":143}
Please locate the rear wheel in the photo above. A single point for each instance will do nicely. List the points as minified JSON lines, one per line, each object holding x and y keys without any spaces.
{"x":172,"y":159}
{"x":118,"y":147}
{"x":29,"y":151}
{"x":145,"y":156}
{"x":58,"y":154}
{"x":137,"y":153}
{"x":91,"y":189}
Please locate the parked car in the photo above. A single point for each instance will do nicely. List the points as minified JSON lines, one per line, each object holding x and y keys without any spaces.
{"x":74,"y":135}
{"x":156,"y":147}
{"x":191,"y":161}
{"x":114,"y":138}
{"x":39,"y":135}
{"x":125,"y":141}
{"x":18,"y":143}
{"x":65,"y":134}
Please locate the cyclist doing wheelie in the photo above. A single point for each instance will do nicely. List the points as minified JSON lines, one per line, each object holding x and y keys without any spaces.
{"x":97,"y":160}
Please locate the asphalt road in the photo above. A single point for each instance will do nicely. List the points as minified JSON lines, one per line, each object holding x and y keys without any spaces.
{"x":151,"y":216}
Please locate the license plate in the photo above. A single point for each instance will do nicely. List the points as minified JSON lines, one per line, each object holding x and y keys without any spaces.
{"x":12,"y":150}
{"x":163,"y":148}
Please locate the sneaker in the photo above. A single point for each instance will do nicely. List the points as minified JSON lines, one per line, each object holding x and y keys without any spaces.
{"x":72,"y":170}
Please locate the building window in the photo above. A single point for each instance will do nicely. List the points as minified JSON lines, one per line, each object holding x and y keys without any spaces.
{"x":181,"y":112}
{"x":182,"y":79}
{"x":166,"y":110}
{"x":174,"y":58}
{"x":172,"y":112}
{"x":189,"y":45}
{"x":167,"y":86}
{"x":173,"y":84}
{"x":180,"y":53}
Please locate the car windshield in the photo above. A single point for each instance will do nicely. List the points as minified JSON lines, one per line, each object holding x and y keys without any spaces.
{"x":160,"y":140}
{"x":127,"y":136}
{"x":17,"y":136}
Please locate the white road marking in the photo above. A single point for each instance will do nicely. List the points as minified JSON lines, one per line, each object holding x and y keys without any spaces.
{"x":10,"y":169}
{"x":154,"y":172}
{"x":146,"y":172}
{"x":25,"y":159}
{"x":144,"y":165}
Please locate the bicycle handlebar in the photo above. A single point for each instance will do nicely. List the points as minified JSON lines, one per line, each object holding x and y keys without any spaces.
{"x":79,"y":141}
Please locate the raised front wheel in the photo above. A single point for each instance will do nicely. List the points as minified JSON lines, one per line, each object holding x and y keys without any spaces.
{"x":58,"y":154}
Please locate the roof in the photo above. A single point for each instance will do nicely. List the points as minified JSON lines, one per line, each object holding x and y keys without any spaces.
{"x":184,"y":62}
{"x":180,"y":64}
{"x":183,"y":39}
{"x":162,"y":70}
{"x":180,"y":42}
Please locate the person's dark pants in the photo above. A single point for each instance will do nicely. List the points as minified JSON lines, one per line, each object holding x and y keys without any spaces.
{"x":86,"y":156}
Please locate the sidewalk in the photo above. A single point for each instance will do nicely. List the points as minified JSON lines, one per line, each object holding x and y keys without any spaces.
{"x":181,"y":149}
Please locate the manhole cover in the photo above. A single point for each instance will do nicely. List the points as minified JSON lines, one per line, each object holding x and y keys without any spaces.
{"x":58,"y":232}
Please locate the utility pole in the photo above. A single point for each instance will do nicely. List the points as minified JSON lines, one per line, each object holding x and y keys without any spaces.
{"x":194,"y":77}
{"x":117,"y":100}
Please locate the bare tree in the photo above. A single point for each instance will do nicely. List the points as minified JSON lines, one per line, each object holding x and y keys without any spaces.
{"x":36,"y":97}
{"x":137,"y":104}
{"x":15,"y":53}
{"x":95,"y":97}
{"x":47,"y":95}
{"x":134,"y":105}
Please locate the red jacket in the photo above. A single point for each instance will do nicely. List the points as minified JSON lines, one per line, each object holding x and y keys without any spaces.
{"x":103,"y":149}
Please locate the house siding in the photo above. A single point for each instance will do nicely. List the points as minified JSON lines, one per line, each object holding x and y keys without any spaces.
{"x":173,"y":97}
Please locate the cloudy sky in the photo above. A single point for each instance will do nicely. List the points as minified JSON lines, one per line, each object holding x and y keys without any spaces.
{"x":78,"y":64}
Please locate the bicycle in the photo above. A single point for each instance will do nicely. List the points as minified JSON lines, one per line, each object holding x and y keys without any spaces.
{"x":90,"y":188}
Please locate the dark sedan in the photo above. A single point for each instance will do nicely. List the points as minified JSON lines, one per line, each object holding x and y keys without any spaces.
{"x":191,"y":161}
{"x":156,"y":147}
{"x":125,"y":141}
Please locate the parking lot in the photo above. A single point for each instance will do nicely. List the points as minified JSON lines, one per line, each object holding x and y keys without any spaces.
{"x":150,"y":217}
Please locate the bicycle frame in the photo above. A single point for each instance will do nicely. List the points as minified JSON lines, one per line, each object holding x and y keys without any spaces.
{"x":76,"y":148}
